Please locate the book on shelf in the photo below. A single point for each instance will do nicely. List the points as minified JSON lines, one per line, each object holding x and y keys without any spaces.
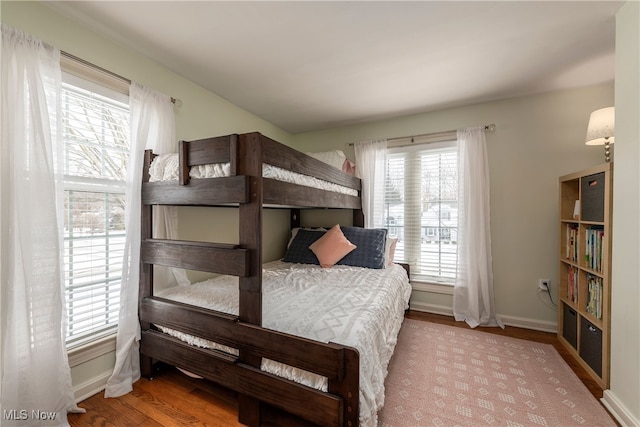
{"x":593,"y":248}
{"x":594,"y":296}
{"x":572,"y":243}
{"x":572,"y":284}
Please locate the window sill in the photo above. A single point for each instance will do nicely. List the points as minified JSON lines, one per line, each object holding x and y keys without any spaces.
{"x":90,"y":351}
{"x":436,"y":288}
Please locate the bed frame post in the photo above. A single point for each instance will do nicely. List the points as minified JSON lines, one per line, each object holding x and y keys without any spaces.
{"x":183,"y":167}
{"x":294,"y":218}
{"x":250,"y":233}
{"x":249,"y":163}
{"x":358,"y":218}
{"x":146,"y":270}
{"x":348,"y":387}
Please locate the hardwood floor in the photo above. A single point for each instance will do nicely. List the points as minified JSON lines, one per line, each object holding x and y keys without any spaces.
{"x":170,"y":399}
{"x":173,"y":399}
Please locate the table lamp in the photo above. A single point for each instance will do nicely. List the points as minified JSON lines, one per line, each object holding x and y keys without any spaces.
{"x":601,"y":129}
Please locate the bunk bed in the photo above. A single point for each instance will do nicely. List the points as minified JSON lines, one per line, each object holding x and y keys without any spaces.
{"x":164,"y":318}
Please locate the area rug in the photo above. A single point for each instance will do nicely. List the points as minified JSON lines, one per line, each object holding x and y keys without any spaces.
{"x":447,"y":376}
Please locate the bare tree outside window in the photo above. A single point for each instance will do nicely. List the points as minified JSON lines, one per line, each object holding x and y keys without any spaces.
{"x":96,"y":138}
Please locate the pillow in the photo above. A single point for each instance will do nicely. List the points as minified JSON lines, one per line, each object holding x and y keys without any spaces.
{"x":331,"y":247}
{"x":164,"y":168}
{"x":349,"y":167}
{"x":294,"y":231}
{"x":389,"y":251}
{"x":299,"y":251}
{"x":370,"y":247}
{"x":335,"y":158}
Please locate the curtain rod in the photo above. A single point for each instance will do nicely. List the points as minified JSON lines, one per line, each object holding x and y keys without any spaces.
{"x":488,"y":128}
{"x":177,"y":102}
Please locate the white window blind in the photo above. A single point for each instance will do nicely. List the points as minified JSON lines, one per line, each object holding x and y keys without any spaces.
{"x":96,"y":138}
{"x":421,"y":208}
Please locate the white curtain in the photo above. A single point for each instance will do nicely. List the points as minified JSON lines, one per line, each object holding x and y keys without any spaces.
{"x":35,"y":367}
{"x":473,"y":299}
{"x":371,"y":166}
{"x":152,"y":127}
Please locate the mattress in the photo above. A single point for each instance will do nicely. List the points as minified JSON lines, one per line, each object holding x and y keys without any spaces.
{"x":165,"y":168}
{"x":354,"y":306}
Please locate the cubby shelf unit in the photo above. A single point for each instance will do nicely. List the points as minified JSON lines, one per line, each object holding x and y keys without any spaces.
{"x":584,"y":290}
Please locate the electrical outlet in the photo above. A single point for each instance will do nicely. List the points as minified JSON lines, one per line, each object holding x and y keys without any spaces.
{"x":543,"y":284}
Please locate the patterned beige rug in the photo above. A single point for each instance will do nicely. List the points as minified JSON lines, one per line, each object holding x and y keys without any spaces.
{"x":447,"y":376}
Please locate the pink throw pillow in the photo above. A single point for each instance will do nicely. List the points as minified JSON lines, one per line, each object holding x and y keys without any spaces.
{"x":331,"y":247}
{"x":390,"y":251}
{"x":349,"y":167}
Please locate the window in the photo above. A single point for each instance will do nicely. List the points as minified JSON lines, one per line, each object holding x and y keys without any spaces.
{"x":96,"y":151}
{"x":421,"y":208}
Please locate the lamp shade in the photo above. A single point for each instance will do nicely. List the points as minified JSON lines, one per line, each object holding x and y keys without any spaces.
{"x":601,"y":126}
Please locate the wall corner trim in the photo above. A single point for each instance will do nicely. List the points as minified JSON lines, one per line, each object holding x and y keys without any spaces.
{"x":619,"y":410}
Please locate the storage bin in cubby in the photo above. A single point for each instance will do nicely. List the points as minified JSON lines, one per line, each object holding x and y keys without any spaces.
{"x":591,"y":345}
{"x":592,"y":203}
{"x":570,"y":325}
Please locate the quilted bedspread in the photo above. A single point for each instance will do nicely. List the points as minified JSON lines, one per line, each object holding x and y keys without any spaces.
{"x":358,"y":307}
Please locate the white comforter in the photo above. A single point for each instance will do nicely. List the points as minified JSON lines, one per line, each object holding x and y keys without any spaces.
{"x":358,"y":307}
{"x":165,"y":168}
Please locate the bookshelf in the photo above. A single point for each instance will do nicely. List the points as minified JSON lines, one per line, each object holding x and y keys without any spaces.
{"x":584,"y":290}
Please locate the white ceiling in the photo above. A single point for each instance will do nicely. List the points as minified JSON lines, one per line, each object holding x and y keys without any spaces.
{"x":309,"y":65}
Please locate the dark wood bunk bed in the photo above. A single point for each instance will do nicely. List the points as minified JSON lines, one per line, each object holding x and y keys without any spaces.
{"x":245,"y":187}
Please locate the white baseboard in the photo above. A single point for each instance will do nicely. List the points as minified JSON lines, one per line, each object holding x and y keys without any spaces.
{"x":518,"y":322}
{"x":618,"y":410}
{"x":535,"y":324}
{"x":95,"y":385}
{"x":431,"y":308}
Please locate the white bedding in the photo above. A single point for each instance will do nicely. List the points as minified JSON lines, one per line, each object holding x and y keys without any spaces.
{"x":358,"y":307}
{"x":165,"y":168}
